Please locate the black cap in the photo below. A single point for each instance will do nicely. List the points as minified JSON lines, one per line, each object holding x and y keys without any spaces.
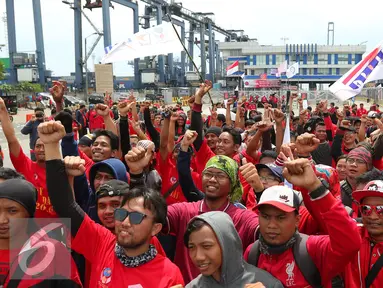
{"x":20,"y":191}
{"x":86,"y":140}
{"x":112,"y":188}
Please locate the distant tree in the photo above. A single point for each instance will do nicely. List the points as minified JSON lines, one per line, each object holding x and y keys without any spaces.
{"x":2,"y":71}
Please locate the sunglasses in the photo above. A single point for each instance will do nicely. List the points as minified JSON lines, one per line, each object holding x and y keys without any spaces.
{"x":366,"y":210}
{"x":135,"y":218}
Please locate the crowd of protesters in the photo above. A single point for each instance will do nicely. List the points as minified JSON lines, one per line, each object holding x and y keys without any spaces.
{"x":162,"y":197}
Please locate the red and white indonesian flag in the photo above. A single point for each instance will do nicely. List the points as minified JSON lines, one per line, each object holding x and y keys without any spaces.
{"x":369,"y":69}
{"x":230,"y":70}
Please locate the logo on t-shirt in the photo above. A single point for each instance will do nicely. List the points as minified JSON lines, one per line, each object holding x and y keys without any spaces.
{"x":135,"y":286}
{"x":106,"y":275}
{"x":173,"y":180}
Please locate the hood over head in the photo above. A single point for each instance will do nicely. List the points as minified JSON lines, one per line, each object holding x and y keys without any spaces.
{"x":235,"y":272}
{"x":116,"y":166}
{"x":230,"y":242}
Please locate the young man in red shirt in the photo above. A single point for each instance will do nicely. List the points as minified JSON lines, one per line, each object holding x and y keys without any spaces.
{"x":361,"y":111}
{"x":17,"y":203}
{"x":121,"y":263}
{"x":34,"y":172}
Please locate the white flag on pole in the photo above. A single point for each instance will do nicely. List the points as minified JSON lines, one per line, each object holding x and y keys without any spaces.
{"x":236,"y":89}
{"x":370,"y":68}
{"x":243,"y":75}
{"x":282,"y":68}
{"x":158,"y":40}
{"x":292,"y":70}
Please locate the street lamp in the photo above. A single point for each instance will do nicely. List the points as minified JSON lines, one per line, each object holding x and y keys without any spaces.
{"x":86,"y":67}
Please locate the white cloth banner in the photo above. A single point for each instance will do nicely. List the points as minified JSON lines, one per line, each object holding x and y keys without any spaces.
{"x":370,"y":68}
{"x":158,"y":40}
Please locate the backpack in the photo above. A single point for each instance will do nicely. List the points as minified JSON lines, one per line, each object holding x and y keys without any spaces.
{"x":302,"y":259}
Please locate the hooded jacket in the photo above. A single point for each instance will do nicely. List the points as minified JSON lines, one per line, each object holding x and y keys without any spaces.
{"x":235,"y":272}
{"x":119,"y":173}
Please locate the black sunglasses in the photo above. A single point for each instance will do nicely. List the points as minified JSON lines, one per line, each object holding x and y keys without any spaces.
{"x":135,"y":218}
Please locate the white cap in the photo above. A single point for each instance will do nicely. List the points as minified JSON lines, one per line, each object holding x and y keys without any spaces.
{"x":281,"y":197}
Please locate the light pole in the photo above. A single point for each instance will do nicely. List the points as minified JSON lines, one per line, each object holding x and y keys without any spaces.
{"x":86,"y":68}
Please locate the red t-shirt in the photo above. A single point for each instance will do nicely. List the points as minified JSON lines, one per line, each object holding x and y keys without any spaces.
{"x":97,"y":245}
{"x":169,"y":175}
{"x":37,"y":176}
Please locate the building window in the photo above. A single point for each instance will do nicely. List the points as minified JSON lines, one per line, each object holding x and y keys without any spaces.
{"x":310,"y":59}
{"x":322,"y":59}
{"x":235,"y":52}
{"x":252,"y":72}
{"x":343,"y":59}
{"x":322,"y":71}
{"x":261,"y":60}
{"x":280,"y":59}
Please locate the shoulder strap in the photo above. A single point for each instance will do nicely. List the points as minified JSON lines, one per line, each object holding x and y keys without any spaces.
{"x":240,"y":159}
{"x":374,"y":272}
{"x":305,"y":263}
{"x":171,"y":189}
{"x":254,"y":254}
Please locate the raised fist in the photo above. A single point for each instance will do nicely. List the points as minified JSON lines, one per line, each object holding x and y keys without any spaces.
{"x":138,"y":158}
{"x":279,"y":116}
{"x":123,"y":108}
{"x":74,"y":166}
{"x":51,"y":132}
{"x":250,"y":173}
{"x":300,"y":173}
{"x":203,"y":89}
{"x":306,"y":143}
{"x":57,"y":91}
{"x":102,"y":110}
{"x":188,"y":139}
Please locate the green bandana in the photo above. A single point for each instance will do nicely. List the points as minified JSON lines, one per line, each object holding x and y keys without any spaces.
{"x":230,"y":167}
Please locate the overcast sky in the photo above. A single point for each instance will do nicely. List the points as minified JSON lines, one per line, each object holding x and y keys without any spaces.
{"x":301,"y":21}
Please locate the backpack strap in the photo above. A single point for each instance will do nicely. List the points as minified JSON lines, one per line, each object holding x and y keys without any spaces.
{"x":374,"y":271}
{"x":254,"y":254}
{"x":305,"y":263}
{"x":171,"y":189}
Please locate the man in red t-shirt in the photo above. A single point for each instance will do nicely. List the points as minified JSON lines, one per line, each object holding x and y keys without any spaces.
{"x":34,"y":172}
{"x":18,"y":245}
{"x":361,"y":111}
{"x":117,"y":261}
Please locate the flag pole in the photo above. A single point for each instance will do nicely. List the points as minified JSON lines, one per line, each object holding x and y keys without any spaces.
{"x":190,"y":57}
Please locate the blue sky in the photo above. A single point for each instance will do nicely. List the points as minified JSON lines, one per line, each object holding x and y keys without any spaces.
{"x":302,"y":21}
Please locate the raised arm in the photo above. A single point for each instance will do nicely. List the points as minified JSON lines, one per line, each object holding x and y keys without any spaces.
{"x":9,"y":131}
{"x":196,"y":117}
{"x":164,"y":136}
{"x":61,"y":195}
{"x":188,"y":187}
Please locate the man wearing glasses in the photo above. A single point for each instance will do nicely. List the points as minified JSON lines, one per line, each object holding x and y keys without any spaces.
{"x":366,"y":268}
{"x":358,"y":162}
{"x":121,"y":260}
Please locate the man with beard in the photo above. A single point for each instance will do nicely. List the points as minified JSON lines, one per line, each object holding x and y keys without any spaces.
{"x":141,"y":216}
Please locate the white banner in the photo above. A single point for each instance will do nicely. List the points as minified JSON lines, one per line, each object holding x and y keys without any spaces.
{"x":158,"y":40}
{"x":370,"y":68}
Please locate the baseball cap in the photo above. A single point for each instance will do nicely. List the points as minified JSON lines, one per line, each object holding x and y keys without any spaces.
{"x":86,"y":140}
{"x":112,"y":188}
{"x":275,"y":169}
{"x":145,"y":144}
{"x":372,"y":114}
{"x":281,"y":197}
{"x":372,"y":189}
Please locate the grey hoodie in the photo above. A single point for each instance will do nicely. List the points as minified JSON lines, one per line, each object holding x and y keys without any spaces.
{"x":235,"y":272}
